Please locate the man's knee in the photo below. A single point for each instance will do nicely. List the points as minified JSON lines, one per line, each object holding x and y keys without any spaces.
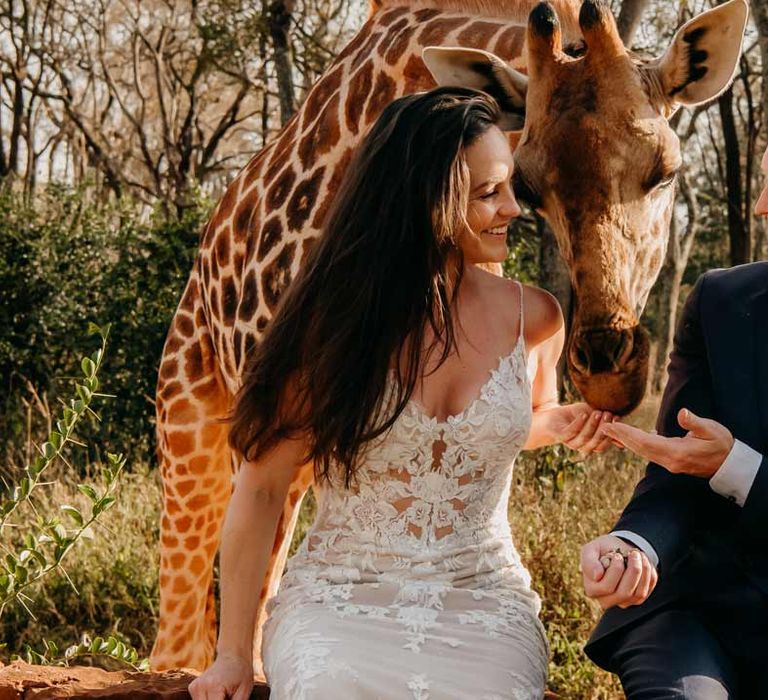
{"x":672,"y":655}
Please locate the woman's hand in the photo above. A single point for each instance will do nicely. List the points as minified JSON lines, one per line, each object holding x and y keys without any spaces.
{"x":230,"y":676}
{"x":578,"y":426}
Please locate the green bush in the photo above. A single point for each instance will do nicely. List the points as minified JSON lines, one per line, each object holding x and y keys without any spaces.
{"x":65,"y":259}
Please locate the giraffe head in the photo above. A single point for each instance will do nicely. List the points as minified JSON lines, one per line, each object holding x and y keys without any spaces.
{"x":597,"y":158}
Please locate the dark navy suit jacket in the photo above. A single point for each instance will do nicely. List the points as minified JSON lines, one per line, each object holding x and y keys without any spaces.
{"x":718,"y":369}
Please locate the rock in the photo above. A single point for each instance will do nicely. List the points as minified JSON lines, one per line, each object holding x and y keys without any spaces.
{"x":22,"y":681}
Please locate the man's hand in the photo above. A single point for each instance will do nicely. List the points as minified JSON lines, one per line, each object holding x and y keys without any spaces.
{"x":700,"y":453}
{"x":610,"y":579}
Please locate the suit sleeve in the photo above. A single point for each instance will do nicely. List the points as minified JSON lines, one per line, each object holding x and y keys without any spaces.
{"x":754,"y":516}
{"x":664,"y":506}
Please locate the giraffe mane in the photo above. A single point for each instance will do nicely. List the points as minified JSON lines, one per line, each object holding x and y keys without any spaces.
{"x":515,"y":11}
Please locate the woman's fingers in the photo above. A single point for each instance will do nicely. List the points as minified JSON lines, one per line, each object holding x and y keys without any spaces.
{"x":573,"y":429}
{"x":588,"y":426}
{"x":591,"y":434}
{"x":599,"y":440}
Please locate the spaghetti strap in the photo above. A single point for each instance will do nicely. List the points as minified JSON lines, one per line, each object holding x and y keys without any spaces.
{"x":521,"y":331}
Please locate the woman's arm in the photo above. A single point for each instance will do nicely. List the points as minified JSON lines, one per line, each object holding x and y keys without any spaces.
{"x":247,"y":537}
{"x":575,"y":425}
{"x":246,"y":545}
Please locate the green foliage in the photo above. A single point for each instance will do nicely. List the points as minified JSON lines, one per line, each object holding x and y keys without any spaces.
{"x":522,"y":262}
{"x":549,"y":527}
{"x":47,"y":540}
{"x":555,"y":465}
{"x":64,"y":258}
{"x":111,"y":647}
{"x":37,"y":533}
{"x":112,"y":584}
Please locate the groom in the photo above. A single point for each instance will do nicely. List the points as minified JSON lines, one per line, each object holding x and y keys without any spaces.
{"x":687,"y":609}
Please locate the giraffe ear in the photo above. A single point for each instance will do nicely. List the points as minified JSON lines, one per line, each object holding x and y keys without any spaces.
{"x":481,"y":70}
{"x":704,"y":54}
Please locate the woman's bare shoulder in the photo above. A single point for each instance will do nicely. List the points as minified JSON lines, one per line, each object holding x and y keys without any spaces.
{"x":542,"y":315}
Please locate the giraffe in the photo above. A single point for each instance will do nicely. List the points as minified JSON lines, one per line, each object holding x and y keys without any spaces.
{"x":269,"y":216}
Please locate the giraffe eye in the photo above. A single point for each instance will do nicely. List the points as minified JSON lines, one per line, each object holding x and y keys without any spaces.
{"x":524,"y":192}
{"x":666,"y":181}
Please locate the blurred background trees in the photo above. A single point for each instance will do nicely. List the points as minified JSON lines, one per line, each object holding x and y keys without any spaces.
{"x":121,"y":122}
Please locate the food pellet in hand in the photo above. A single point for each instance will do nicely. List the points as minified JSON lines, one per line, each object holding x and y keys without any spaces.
{"x":607,"y":558}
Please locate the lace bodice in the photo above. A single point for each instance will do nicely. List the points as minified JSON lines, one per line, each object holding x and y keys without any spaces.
{"x":430,"y":497}
{"x":414,"y":564}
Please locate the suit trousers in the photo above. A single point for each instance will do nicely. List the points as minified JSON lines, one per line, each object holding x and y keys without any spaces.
{"x":715,"y":648}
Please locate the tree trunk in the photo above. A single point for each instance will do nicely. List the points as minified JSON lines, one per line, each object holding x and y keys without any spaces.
{"x":629,"y":19}
{"x":760,"y":17}
{"x":666,"y":293}
{"x":279,"y":24}
{"x":738,"y":233}
{"x":554,"y":277}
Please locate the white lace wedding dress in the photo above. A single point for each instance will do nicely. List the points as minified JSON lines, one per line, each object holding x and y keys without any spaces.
{"x":408,"y":585}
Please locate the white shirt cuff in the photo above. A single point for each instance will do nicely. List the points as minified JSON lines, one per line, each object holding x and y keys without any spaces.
{"x":641,"y":543}
{"x":734,"y":479}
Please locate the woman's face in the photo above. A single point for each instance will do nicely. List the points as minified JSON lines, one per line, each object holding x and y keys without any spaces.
{"x":492,"y":204}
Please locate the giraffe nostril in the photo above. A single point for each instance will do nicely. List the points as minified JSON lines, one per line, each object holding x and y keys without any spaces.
{"x":580,"y":357}
{"x":625,"y":348}
{"x":602,"y":350}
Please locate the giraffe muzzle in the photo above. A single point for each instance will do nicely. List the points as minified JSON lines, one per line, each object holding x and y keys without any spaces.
{"x":610,"y":366}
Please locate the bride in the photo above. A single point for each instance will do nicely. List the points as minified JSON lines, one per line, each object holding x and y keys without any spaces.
{"x":410,"y":378}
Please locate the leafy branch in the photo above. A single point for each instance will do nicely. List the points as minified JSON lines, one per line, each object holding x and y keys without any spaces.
{"x":110,"y":647}
{"x":44,"y":548}
{"x":52,"y":448}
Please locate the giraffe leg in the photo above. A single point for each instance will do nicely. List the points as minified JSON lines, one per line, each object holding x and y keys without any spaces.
{"x":196,"y":469}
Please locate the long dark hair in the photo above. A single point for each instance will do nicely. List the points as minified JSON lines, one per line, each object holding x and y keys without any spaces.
{"x":376,"y":279}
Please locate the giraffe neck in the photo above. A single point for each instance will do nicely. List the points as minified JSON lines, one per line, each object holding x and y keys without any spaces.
{"x":273,"y":211}
{"x":512,"y":11}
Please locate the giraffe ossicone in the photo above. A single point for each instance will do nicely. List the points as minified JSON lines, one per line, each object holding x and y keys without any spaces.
{"x":595,"y":156}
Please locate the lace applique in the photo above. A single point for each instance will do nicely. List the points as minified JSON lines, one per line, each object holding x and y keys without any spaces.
{"x":311,"y":658}
{"x":419,"y":685}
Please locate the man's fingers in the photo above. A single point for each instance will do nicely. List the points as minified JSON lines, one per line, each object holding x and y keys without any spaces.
{"x":628,"y":584}
{"x":635,"y":439}
{"x":654,"y":448}
{"x":635,"y":586}
{"x":643,"y":589}
{"x":610,"y":580}
{"x":690,"y":421}
{"x":702,"y":428}
{"x":591,"y":568}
